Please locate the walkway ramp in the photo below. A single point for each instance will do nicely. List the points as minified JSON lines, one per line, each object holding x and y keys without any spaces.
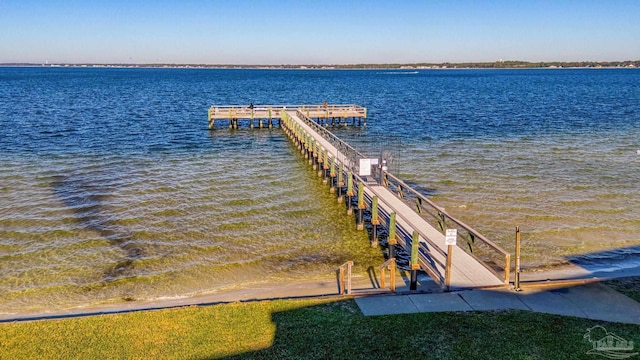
{"x":466,"y":271}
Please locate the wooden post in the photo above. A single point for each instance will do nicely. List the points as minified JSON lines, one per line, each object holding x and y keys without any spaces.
{"x":391,"y":264}
{"x":340,"y":182}
{"x":361,"y":206}
{"x":314,"y":150}
{"x":350,"y":193}
{"x":303,"y":149}
{"x":517,"y":275}
{"x":349,"y":265}
{"x":374,"y":221}
{"x":211,"y":120}
{"x":325,"y":166}
{"x":415,"y":266}
{"x":393,"y":275}
{"x":447,"y":270}
{"x":332,"y":175}
{"x":341,"y":282}
{"x":391,"y":239}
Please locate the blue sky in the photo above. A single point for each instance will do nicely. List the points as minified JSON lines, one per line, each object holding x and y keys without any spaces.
{"x":317,"y":32}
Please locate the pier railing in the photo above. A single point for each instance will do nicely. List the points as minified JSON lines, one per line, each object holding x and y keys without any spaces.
{"x":492,"y":256}
{"x":427,"y":262}
{"x":391,"y":266}
{"x":265,"y":111}
{"x":350,"y":154}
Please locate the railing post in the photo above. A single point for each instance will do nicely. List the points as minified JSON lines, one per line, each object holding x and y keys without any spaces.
{"x":415,"y":266}
{"x":447,"y":270}
{"x":391,"y":264}
{"x":211,"y":120}
{"x":517,"y":276}
{"x":340,"y":182}
{"x":391,"y":239}
{"x":349,"y":265}
{"x":507,"y":268}
{"x":361,"y":206}
{"x":350,"y":193}
{"x":374,"y":221}
{"x":393,"y":275}
{"x":316,"y":156}
{"x":332,"y":175}
{"x":325,"y":166}
{"x":341,"y":281}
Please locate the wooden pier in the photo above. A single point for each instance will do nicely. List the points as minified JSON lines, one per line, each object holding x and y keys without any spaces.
{"x":412,"y":220}
{"x":266,"y":115}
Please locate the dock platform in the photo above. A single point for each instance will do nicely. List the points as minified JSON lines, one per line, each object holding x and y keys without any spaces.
{"x":266,"y":115}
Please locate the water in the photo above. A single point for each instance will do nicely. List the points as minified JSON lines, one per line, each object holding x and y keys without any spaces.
{"x":113,"y":189}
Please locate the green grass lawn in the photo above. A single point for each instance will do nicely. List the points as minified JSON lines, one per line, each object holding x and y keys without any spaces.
{"x":306,"y":329}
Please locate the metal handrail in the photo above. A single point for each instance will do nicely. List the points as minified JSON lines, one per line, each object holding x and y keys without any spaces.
{"x":428,"y":263}
{"x":337,"y":142}
{"x":443,"y":218}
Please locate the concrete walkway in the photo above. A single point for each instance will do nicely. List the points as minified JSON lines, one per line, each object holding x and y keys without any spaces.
{"x":593,"y":301}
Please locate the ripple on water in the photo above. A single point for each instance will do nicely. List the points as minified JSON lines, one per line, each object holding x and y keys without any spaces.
{"x":125,"y":195}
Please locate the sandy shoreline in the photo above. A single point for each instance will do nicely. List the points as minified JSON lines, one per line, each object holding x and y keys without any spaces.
{"x":313,"y":288}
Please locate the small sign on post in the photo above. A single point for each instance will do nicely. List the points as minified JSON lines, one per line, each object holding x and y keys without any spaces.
{"x":450,"y":236}
{"x":365,"y":167}
{"x":450,"y":240}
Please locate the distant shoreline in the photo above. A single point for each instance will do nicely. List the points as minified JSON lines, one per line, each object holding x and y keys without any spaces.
{"x":408,"y":66}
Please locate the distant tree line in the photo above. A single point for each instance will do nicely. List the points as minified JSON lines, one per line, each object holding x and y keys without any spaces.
{"x":506,"y":64}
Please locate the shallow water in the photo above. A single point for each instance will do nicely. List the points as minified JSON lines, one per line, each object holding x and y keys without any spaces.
{"x":112,"y":188}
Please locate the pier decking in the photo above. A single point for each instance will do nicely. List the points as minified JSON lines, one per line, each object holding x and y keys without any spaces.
{"x":418,"y":228}
{"x":264,"y":115}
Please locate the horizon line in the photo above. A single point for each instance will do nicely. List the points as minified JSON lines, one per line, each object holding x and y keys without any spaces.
{"x":385,"y":64}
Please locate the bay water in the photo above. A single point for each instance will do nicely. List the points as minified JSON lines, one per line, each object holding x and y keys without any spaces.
{"x":113,"y":189}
